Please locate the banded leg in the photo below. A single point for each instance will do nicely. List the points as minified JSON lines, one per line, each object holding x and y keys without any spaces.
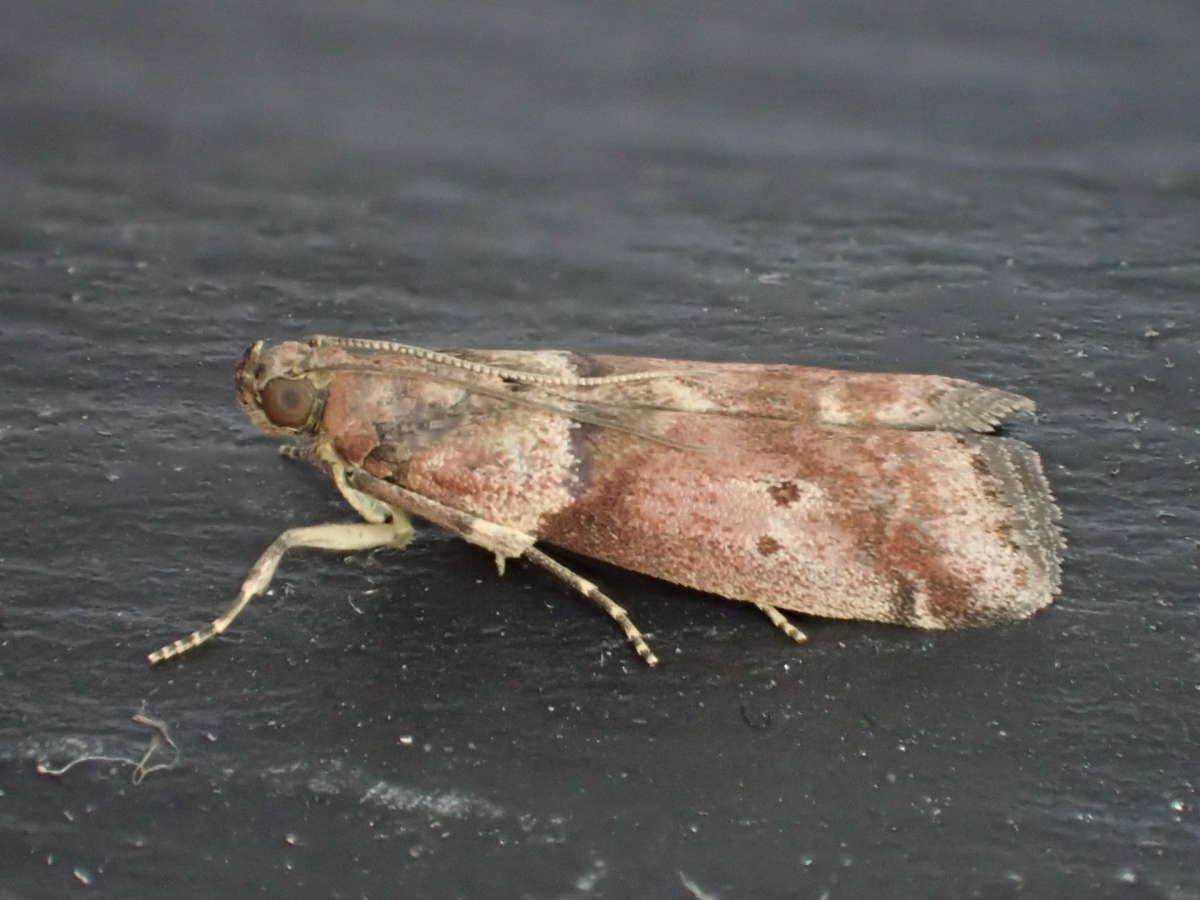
{"x":781,"y":623}
{"x":593,"y":593}
{"x":503,"y":542}
{"x":358,"y":536}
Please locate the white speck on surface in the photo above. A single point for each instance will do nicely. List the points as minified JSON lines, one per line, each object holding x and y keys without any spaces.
{"x":448,"y":803}
{"x":695,"y":890}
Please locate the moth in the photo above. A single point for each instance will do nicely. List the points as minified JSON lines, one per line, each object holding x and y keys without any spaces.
{"x":854,"y":495}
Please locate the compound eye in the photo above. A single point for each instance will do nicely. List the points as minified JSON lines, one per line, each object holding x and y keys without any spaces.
{"x":288,"y":402}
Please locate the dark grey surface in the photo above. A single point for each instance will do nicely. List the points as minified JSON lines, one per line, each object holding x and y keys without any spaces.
{"x":970,"y":188}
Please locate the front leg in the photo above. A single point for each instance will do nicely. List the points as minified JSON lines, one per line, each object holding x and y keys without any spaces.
{"x":360,"y":536}
{"x":365,"y":505}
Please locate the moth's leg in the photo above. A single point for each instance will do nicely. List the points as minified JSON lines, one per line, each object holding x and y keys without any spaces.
{"x":781,"y":623}
{"x":364,"y":504}
{"x":601,"y":599}
{"x":358,"y":536}
{"x":504,"y":542}
{"x":371,"y":509}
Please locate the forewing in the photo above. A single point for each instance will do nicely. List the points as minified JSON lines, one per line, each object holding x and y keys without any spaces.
{"x":877,"y":516}
{"x":791,"y":393}
{"x":922,"y":528}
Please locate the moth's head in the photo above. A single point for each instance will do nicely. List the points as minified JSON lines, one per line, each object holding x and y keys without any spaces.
{"x":276,"y":390}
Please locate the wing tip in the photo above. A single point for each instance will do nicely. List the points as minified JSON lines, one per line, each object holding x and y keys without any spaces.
{"x":978,"y":408}
{"x":1037,"y":518}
